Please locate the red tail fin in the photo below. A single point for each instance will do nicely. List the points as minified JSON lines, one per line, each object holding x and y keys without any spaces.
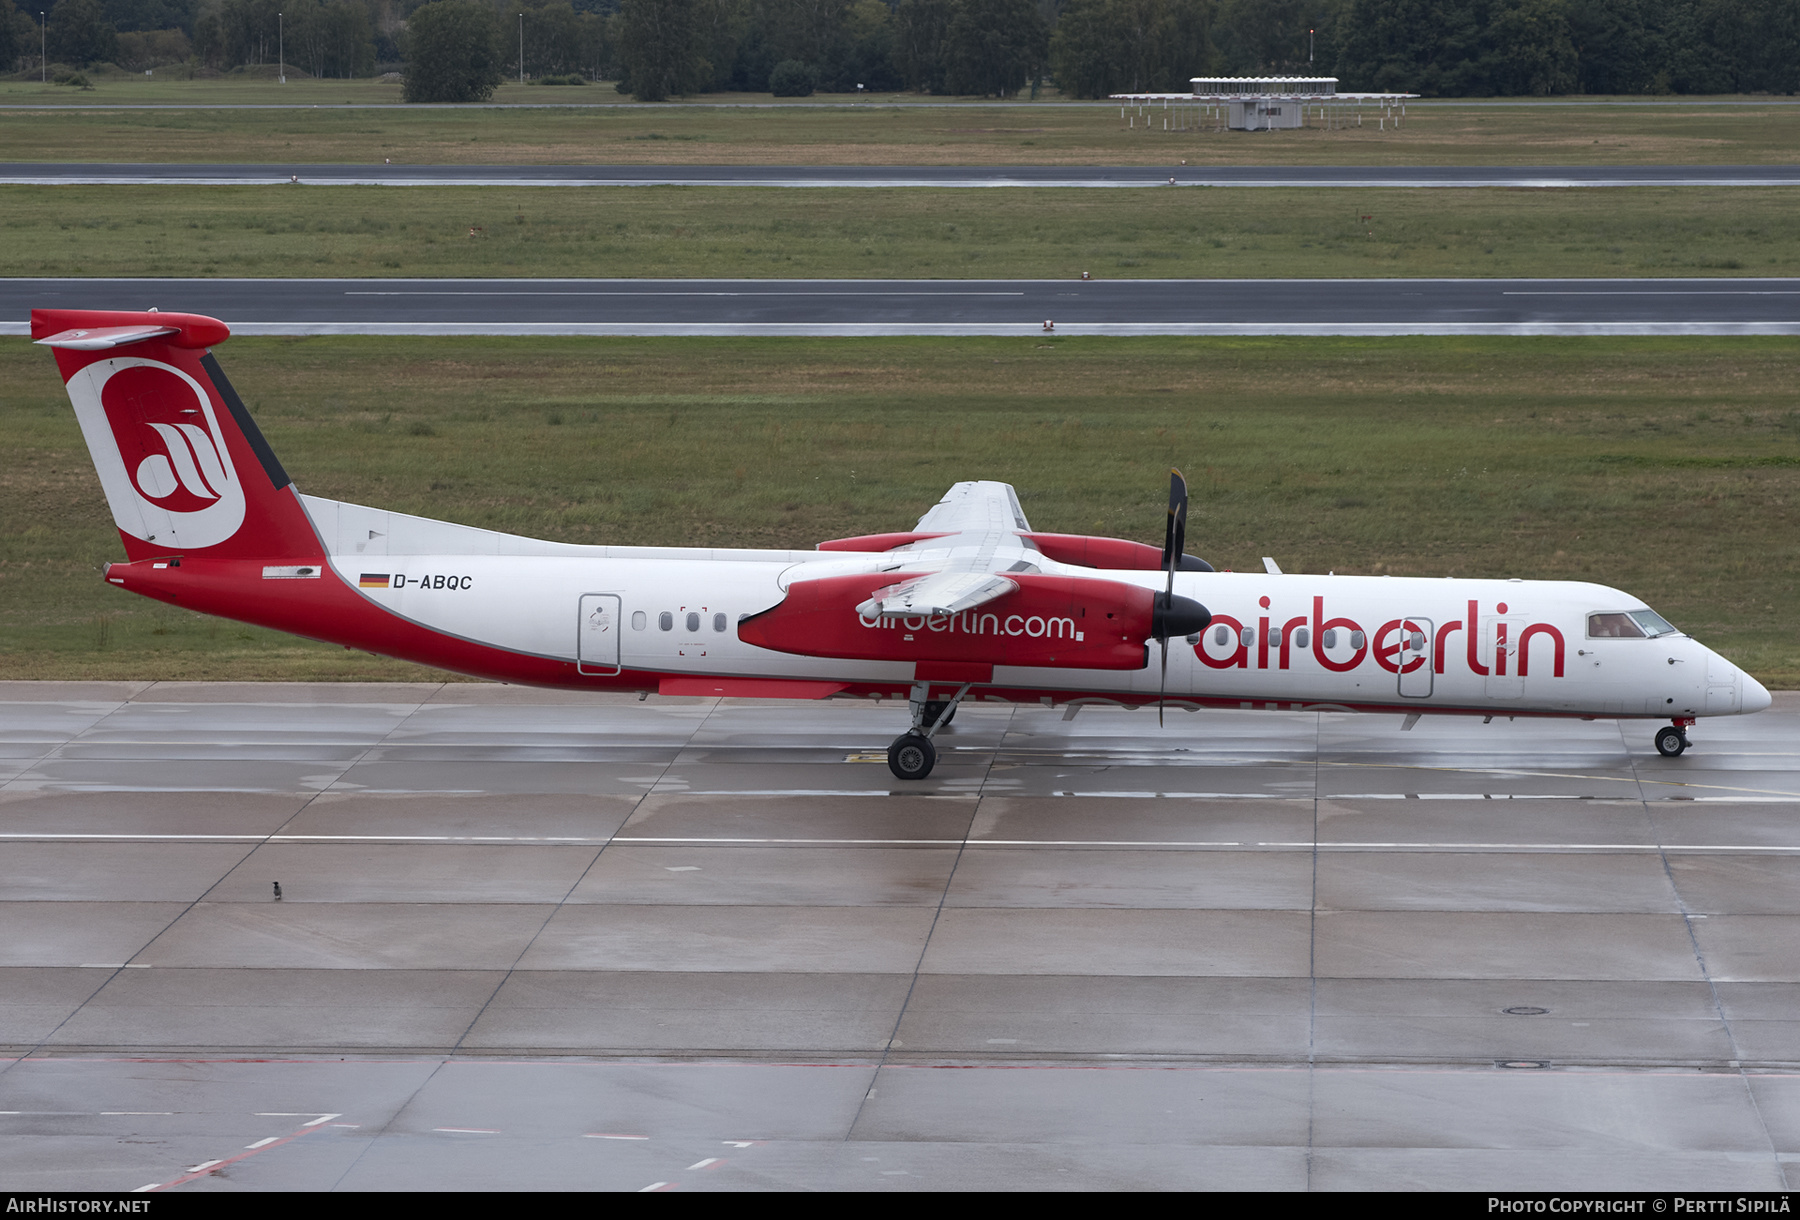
{"x":185,"y":470}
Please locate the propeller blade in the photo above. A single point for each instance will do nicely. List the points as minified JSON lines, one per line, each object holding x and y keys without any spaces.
{"x":1173,"y":541}
{"x":1175,"y":537}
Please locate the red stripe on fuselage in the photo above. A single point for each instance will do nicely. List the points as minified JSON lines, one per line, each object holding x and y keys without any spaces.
{"x":327,"y":608}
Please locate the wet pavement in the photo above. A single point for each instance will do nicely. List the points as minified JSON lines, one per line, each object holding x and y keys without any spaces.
{"x":537,"y":940}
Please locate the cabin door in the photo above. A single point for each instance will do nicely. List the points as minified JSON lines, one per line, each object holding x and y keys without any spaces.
{"x":1412,"y":657}
{"x":597,"y":635}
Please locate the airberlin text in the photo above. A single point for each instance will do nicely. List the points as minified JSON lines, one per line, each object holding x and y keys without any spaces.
{"x":974,"y":622}
{"x":1494,"y":642}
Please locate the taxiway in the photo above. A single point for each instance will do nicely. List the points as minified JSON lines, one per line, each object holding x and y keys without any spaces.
{"x":89,"y":173}
{"x":1736,"y":306}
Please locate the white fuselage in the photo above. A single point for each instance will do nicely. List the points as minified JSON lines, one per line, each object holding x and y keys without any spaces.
{"x":1494,"y":646}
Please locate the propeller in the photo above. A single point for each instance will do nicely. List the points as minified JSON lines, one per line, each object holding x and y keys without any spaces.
{"x":1175,"y":615}
{"x":1172,"y":550}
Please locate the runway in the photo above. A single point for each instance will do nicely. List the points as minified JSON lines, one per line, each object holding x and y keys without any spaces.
{"x":1361,"y":176}
{"x":556,"y":941}
{"x":940,"y":307}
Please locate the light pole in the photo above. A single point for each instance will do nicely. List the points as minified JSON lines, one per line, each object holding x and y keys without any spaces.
{"x":521,"y":48}
{"x":1309,"y":40}
{"x":281,"y":43}
{"x":43,"y":51}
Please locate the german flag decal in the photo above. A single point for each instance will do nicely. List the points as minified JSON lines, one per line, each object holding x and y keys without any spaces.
{"x":373,"y":580}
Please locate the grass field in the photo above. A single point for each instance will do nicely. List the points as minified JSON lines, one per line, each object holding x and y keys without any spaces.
{"x":833,"y":130}
{"x":1667,"y":467}
{"x":937,"y":234}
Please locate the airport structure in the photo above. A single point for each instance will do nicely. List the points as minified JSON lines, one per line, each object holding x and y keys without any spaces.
{"x":1258,"y":103}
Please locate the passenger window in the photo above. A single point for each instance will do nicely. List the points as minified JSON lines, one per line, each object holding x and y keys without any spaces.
{"x":638,"y":620}
{"x":1418,"y":641}
{"x":1248,"y":636}
{"x":1275,"y":637}
{"x":718,"y":622}
{"x":693,"y":621}
{"x":1222,"y":635}
{"x":1613,"y":627}
{"x":1356,"y":639}
{"x":665,"y":621}
{"x":1301,"y":635}
{"x":1328,"y":637}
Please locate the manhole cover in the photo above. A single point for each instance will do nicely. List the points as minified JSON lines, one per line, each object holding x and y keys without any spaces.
{"x":1525,"y":1010}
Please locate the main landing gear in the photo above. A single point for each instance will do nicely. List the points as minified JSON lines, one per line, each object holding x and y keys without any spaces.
{"x":1671,"y":741}
{"x":912,"y":756}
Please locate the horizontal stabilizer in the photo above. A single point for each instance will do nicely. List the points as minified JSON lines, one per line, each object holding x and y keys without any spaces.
{"x":936,"y":595}
{"x":102,"y":337}
{"x":96,"y":330}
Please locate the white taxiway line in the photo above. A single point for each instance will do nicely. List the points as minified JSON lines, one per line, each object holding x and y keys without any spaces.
{"x":1120,"y":844}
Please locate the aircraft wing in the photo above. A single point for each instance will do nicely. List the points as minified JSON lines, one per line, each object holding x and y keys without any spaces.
{"x":975,"y":508}
{"x":942,"y":593}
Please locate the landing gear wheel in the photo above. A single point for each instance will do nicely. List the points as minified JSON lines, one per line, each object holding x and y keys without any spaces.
{"x":911,"y":756}
{"x":934,"y":709}
{"x":1670,"y":742}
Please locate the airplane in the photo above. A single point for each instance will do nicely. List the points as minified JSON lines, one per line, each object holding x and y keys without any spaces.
{"x":971,"y":603}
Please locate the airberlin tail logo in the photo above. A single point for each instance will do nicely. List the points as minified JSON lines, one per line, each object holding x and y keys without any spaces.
{"x":190,"y":462}
{"x":161,"y":453}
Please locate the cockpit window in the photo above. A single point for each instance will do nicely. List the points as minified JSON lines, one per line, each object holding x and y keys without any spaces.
{"x":1632,"y":625}
{"x":1653,"y":623}
{"x":1613,"y":627}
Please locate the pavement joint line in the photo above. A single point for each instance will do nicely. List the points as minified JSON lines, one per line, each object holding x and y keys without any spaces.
{"x":445,"y":1060}
{"x":937,"y":914}
{"x":1688,"y":918}
{"x":188,"y":907}
{"x":697,"y":727}
{"x":114,"y":709}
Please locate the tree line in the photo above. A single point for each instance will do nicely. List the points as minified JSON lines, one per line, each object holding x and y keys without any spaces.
{"x":657,"y":49}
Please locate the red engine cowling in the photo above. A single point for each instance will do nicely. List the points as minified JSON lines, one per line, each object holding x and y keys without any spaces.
{"x":1089,"y":551}
{"x":1056,"y":621}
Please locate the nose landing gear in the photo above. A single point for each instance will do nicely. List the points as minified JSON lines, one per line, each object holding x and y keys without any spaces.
{"x":912,"y":756}
{"x":1671,"y":741}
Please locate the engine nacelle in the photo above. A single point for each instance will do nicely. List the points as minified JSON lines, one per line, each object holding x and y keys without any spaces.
{"x":1117,"y":554}
{"x":1049,"y":621}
